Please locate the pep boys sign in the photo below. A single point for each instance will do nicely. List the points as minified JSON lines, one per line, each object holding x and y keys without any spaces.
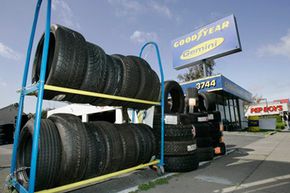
{"x":264,"y":109}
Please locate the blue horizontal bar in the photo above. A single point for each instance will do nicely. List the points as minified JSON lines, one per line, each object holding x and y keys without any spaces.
{"x":18,"y":187}
{"x":30,"y":89}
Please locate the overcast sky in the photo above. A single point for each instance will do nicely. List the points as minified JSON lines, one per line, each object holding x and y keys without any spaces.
{"x":122,"y":26}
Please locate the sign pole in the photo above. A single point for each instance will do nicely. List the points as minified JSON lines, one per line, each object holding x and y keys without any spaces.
{"x":204,"y":68}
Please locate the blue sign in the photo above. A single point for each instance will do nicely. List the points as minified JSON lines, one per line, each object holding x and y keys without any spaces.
{"x":209,"y":42}
{"x":204,"y":84}
{"x":218,"y":83}
{"x":235,"y":89}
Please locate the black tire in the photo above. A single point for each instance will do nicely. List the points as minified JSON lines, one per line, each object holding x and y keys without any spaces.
{"x":147,"y":79}
{"x":202,"y":130}
{"x":198,"y":117}
{"x":156,"y":88}
{"x":205,"y":154}
{"x":174,"y":132}
{"x":3,"y":140}
{"x":185,"y":163}
{"x":206,"y":102}
{"x":111,"y":82}
{"x":96,"y":73}
{"x":130,"y":79}
{"x":145,"y":85}
{"x":191,"y":93}
{"x":214,"y":116}
{"x":184,"y":119}
{"x":1,"y":129}
{"x":216,"y":135}
{"x":67,"y":60}
{"x":214,"y":127}
{"x":144,"y":149}
{"x":173,"y":89}
{"x":130,"y":156}
{"x":150,"y":141}
{"x":204,"y":142}
{"x":119,"y":71}
{"x":74,"y":144}
{"x":223,"y":148}
{"x":114,"y":145}
{"x":96,"y":151}
{"x":107,"y":147}
{"x":49,"y":155}
{"x":179,"y":147}
{"x":153,"y":139}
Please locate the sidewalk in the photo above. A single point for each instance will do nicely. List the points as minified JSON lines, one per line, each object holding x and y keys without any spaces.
{"x":260,"y":167}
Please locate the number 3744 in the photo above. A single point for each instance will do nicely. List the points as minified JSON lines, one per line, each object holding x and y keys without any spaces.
{"x":206,"y":84}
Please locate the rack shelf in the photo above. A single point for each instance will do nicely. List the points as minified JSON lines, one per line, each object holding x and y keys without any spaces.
{"x":40,"y":87}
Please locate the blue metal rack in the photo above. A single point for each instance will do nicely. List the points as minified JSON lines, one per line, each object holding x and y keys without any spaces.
{"x":40,"y":87}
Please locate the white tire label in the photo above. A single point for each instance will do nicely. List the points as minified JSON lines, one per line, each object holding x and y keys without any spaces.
{"x":171,"y":119}
{"x":210,"y":117}
{"x":191,"y":147}
{"x":202,"y":119}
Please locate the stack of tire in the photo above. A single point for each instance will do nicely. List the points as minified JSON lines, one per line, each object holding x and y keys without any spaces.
{"x":204,"y":141}
{"x":70,"y":151}
{"x":3,"y":139}
{"x":179,"y":144}
{"x":180,"y":153}
{"x":75,"y":63}
{"x":216,"y":132}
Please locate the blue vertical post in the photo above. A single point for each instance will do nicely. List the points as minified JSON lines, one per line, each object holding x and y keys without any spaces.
{"x":39,"y":101}
{"x":162,"y":98}
{"x":24,"y":82}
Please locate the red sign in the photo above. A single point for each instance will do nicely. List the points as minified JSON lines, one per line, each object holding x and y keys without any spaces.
{"x":274,"y":108}
{"x":282,"y":101}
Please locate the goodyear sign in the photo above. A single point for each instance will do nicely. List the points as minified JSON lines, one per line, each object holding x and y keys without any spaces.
{"x":209,"y":42}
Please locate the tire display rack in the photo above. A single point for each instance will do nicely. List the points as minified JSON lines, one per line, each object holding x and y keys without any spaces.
{"x":40,"y":88}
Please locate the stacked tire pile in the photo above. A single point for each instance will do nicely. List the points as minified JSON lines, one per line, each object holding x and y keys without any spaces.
{"x":70,"y":151}
{"x":216,"y":132}
{"x":203,"y":138}
{"x":75,"y":63}
{"x":204,"y":120}
{"x":209,"y":136}
{"x":180,"y":145}
{"x":180,"y":153}
{"x":3,"y":137}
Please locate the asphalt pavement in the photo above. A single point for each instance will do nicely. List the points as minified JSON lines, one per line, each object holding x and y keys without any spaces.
{"x":262,"y":166}
{"x":257,"y":163}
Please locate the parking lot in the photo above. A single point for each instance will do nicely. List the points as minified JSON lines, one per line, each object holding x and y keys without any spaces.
{"x":257,"y":163}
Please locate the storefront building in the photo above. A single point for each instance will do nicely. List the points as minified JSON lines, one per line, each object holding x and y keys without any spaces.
{"x":230,"y":98}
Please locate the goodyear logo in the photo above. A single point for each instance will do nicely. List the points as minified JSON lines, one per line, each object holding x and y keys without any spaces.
{"x":204,"y":32}
{"x":201,"y":48}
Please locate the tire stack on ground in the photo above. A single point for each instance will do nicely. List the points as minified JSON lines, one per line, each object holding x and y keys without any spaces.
{"x":179,"y":143}
{"x":70,"y":151}
{"x":180,"y":153}
{"x":216,"y":132}
{"x":77,"y":64}
{"x":3,"y":140}
{"x":203,"y":138}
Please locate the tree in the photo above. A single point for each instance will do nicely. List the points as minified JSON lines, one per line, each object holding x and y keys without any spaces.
{"x":196,"y":71}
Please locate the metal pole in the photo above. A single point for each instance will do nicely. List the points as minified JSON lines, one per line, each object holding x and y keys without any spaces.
{"x":39,"y":101}
{"x":204,"y":69}
{"x":161,"y":163}
{"x":239,"y":113}
{"x":24,"y":82}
